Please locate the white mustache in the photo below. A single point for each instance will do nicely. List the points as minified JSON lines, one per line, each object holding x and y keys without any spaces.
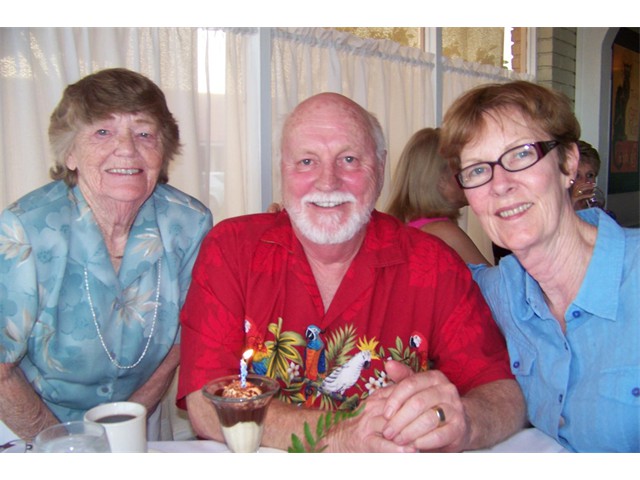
{"x":328,"y":199}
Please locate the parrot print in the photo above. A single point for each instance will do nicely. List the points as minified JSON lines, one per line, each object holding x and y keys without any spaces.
{"x":419,"y":342}
{"x":315,"y":362}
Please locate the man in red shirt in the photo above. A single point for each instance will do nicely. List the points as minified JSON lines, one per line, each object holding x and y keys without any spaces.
{"x":338,"y":300}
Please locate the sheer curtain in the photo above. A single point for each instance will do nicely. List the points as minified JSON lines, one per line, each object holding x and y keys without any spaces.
{"x":393,"y":82}
{"x":459,"y":76}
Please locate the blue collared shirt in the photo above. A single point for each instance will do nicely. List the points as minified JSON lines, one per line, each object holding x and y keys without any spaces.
{"x":582,"y":387}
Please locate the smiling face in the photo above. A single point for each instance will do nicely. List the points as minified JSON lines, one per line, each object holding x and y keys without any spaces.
{"x":518,"y":210}
{"x":331,"y":177}
{"x":118,"y":159}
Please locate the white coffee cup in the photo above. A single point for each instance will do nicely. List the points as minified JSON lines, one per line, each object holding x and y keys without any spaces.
{"x":125,"y":423}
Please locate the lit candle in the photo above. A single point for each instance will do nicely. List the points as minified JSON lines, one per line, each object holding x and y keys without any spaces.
{"x":243,"y":367}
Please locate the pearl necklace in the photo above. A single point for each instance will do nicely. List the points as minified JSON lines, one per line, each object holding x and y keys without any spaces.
{"x":153,"y":324}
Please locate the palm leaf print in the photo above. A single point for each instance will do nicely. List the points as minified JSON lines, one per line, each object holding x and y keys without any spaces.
{"x":283,"y":350}
{"x":341,"y":342}
{"x":13,"y":243}
{"x":404,"y":354}
{"x":149,"y":242}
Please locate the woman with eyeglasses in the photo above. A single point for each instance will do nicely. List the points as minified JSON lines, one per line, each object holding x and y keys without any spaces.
{"x":567,"y":299}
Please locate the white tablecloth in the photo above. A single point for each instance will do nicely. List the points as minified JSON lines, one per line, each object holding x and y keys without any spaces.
{"x":529,"y":440}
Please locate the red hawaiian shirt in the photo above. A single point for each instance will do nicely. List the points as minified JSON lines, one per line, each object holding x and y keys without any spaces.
{"x":406,"y":296}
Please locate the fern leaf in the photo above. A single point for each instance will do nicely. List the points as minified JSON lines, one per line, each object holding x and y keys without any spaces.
{"x":296,"y":445}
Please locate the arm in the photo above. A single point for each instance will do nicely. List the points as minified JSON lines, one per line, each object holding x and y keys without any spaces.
{"x":483,"y":417}
{"x":21,"y":408}
{"x":154,"y":389}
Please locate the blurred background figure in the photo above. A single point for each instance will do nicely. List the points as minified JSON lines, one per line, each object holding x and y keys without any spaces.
{"x":584,"y":192}
{"x":426,"y":195}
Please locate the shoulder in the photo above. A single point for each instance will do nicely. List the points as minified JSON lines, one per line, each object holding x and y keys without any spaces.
{"x":443,"y":226}
{"x":48,"y":207}
{"x":501,"y":281}
{"x":47,"y":197}
{"x":175,"y":199}
{"x":246,"y":231}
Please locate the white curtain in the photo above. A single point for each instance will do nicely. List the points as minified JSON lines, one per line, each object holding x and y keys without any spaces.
{"x":391,"y":81}
{"x":459,"y":76}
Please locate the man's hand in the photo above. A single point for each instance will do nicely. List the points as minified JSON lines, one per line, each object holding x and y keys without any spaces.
{"x":411,"y":410}
{"x":363,"y":433}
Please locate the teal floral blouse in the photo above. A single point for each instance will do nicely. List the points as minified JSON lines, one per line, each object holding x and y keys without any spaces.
{"x":51,"y":250}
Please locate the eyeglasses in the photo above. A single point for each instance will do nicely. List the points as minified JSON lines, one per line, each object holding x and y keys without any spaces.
{"x":513,"y":160}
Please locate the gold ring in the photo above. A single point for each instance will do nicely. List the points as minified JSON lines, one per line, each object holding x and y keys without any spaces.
{"x":440,"y":414}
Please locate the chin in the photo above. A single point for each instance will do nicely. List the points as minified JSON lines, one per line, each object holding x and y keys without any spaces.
{"x":330,"y":229}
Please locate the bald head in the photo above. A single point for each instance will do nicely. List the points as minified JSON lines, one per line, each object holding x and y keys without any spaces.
{"x":322,"y":103}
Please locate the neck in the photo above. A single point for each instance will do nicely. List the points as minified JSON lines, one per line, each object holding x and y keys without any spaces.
{"x":114,"y":220}
{"x":560,"y":264}
{"x":329,"y":263}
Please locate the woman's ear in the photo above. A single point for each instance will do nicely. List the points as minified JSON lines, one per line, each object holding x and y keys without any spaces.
{"x":70,"y":162}
{"x":572,"y":159}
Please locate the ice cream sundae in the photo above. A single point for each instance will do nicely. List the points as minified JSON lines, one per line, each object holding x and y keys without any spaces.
{"x":241,"y":409}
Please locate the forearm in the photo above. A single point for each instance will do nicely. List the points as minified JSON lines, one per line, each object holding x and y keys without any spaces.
{"x":154,"y":389}
{"x":494,"y":412}
{"x":21,"y":409}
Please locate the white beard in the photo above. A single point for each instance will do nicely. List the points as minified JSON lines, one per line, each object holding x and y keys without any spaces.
{"x":328,"y":228}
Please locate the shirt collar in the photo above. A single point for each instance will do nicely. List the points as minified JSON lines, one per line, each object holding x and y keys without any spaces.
{"x":598,"y":293}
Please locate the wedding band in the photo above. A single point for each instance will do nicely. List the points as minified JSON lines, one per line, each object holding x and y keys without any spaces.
{"x":440,"y":414}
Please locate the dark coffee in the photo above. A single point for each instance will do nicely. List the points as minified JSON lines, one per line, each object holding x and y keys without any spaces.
{"x":117,"y":418}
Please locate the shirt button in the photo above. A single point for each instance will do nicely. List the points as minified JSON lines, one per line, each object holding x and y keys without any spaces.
{"x":516,"y":364}
{"x":560,"y":397}
{"x":636,"y":392}
{"x":576,"y":313}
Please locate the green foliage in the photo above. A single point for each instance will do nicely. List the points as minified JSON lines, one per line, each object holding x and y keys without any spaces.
{"x":325,"y":423}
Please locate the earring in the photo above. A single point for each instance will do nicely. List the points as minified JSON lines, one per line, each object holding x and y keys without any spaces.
{"x":571,"y":182}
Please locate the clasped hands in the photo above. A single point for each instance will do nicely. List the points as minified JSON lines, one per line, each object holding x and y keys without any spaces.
{"x":404,"y":416}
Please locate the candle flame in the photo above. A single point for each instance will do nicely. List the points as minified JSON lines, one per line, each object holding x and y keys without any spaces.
{"x":247,"y":354}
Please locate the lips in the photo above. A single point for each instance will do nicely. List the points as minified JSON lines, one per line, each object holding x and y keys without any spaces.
{"x":125,"y":171}
{"x":515,"y":211}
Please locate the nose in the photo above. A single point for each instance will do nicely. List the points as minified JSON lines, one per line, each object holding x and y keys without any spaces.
{"x":328,"y":178}
{"x":502,"y":181}
{"x":125,"y":144}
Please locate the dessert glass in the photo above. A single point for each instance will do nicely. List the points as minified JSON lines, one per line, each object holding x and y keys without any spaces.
{"x":242,"y":419}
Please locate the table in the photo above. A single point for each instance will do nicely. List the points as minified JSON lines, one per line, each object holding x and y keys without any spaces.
{"x":530,"y":440}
